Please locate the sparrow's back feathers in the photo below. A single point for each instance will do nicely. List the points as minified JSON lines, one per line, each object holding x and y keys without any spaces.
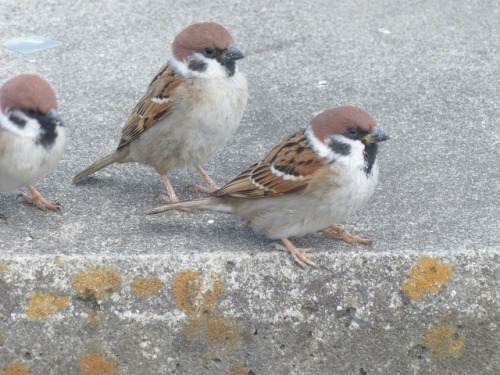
{"x":288,"y":168}
{"x":154,"y":106}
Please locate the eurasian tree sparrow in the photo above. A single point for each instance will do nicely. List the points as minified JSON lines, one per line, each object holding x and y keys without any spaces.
{"x":312,"y":180}
{"x":32,"y":135}
{"x":190,"y":110}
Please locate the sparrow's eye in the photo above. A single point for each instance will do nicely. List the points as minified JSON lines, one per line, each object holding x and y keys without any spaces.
{"x":352,"y":131}
{"x":209,"y":52}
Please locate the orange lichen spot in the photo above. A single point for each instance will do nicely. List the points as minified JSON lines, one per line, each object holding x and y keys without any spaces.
{"x":187,"y":286}
{"x":97,"y":364}
{"x":427,"y":276}
{"x":204,"y":319}
{"x":212,"y":296}
{"x":444,"y":342}
{"x":146,"y":287}
{"x":97,"y":283}
{"x":222,"y":331}
{"x":238,"y":369}
{"x":41,"y":305}
{"x":16,"y":369}
{"x":3,"y":267}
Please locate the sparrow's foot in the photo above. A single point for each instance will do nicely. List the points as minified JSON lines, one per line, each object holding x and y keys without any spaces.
{"x":3,"y":217}
{"x":205,"y":189}
{"x":297,"y":253}
{"x":36,"y":199}
{"x":211,"y":185}
{"x":171,"y":197}
{"x":166,"y":199}
{"x":341,"y":234}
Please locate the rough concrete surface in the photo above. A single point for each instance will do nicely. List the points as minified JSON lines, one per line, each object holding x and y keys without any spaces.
{"x":103,"y":289}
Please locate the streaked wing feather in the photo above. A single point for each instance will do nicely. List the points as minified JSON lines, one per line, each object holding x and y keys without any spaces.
{"x":289,"y":167}
{"x":154,"y":106}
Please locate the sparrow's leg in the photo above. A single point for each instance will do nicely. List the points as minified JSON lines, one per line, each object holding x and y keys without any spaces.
{"x":297,"y":253}
{"x":39,"y":201}
{"x":172,"y":197}
{"x":211,"y":186}
{"x":342,"y":234}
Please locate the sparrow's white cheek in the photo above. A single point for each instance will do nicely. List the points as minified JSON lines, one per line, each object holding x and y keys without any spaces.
{"x":319,"y":147}
{"x":31,"y":128}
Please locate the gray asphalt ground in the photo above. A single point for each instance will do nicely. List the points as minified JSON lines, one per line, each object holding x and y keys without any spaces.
{"x":428,"y":71}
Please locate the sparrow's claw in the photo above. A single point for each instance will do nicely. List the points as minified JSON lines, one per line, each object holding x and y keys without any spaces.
{"x":3,"y":217}
{"x":297,"y":253}
{"x":210,"y":188}
{"x":166,"y":199}
{"x":38,"y":200}
{"x":344,"y":235}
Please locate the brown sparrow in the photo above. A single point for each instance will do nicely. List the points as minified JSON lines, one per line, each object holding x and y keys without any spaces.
{"x":32,"y":135}
{"x":190,"y":110}
{"x":312,"y":180}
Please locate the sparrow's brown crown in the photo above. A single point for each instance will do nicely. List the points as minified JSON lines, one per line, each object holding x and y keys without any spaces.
{"x":199,"y":36}
{"x":338,"y":120}
{"x":29,"y":92}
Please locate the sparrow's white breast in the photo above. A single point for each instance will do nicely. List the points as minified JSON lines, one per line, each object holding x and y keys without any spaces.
{"x":24,"y":162}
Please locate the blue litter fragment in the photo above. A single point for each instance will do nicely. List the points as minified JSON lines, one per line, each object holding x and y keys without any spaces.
{"x":31,"y":43}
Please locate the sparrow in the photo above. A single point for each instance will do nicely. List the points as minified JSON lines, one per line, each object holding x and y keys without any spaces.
{"x":189,"y":111}
{"x":32,"y":136}
{"x":309,"y":182}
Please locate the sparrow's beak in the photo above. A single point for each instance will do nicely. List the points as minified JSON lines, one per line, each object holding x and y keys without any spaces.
{"x":375,"y":136}
{"x":55,"y":117}
{"x":232,"y":54}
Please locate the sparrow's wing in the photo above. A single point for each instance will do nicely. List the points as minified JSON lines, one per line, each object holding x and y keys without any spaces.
{"x":289,"y":167}
{"x":154,"y":105}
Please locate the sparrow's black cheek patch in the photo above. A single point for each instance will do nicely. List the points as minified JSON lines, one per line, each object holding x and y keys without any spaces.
{"x":20,"y":122}
{"x":339,"y":147}
{"x":197,"y":65}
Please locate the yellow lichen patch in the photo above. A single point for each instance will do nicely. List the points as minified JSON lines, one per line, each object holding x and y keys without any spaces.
{"x":41,"y":305}
{"x":444,"y":343}
{"x":238,"y":369}
{"x":187,"y":286}
{"x":204,"y":319}
{"x":97,"y":364}
{"x":97,"y":283}
{"x":3,"y":267}
{"x":16,"y":369}
{"x":427,"y":276}
{"x":146,"y":287}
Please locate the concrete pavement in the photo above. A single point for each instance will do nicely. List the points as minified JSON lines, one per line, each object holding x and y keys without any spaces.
{"x":103,"y":289}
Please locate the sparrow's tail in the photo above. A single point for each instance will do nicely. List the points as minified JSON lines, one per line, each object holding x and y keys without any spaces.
{"x":208,"y":203}
{"x":100,"y":164}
